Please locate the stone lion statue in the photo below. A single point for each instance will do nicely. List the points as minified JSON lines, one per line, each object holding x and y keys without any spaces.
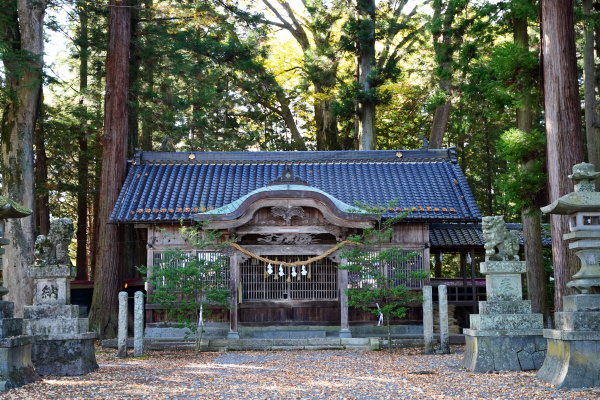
{"x":500,"y":244}
{"x":54,"y":248}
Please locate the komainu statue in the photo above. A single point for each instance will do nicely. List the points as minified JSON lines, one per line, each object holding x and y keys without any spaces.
{"x":500,"y":244}
{"x":54,"y":248}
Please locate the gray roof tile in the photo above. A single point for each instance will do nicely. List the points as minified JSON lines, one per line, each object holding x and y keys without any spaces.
{"x":176,"y":185}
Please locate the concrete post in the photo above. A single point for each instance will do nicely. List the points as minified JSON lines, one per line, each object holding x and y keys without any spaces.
{"x":428,"y":319}
{"x":344,"y":326}
{"x":138,"y":324}
{"x":122,"y":336}
{"x":234,"y":261}
{"x":443,"y":301}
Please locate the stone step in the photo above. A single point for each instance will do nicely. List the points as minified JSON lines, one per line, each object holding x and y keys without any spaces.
{"x":289,"y":334}
{"x":507,"y":321}
{"x":577,"y":321}
{"x":259,"y":344}
{"x":505,"y":307}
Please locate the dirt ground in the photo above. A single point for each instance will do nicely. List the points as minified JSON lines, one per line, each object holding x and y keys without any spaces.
{"x":333,"y":374}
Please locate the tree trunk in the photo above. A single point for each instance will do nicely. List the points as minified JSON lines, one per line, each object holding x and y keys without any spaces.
{"x":42,"y":203}
{"x":149,"y":63}
{"x":532,"y":232}
{"x":104,"y":308}
{"x":285,"y":113}
{"x":592,"y":128}
{"x":21,"y":28}
{"x":444,"y":49}
{"x":134,"y":72}
{"x":327,"y":130}
{"x":83,"y":162}
{"x":564,"y":140}
{"x":365,"y":61}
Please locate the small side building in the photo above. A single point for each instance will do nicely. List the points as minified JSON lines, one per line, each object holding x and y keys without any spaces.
{"x":292,"y":206}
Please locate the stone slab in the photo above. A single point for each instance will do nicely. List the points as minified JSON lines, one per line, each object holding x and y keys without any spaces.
{"x":577,"y":321}
{"x":16,"y":341}
{"x":289,"y":334}
{"x":557,"y":334}
{"x":571,"y":364}
{"x":52,"y":271}
{"x":502,"y":267}
{"x":16,"y":368}
{"x":51,"y":291}
{"x":7,"y":309}
{"x":502,"y":333}
{"x":285,"y":348}
{"x":503,"y":287}
{"x":11,"y":327}
{"x":52,"y":326}
{"x":355,"y":341}
{"x":581,"y":302}
{"x":506,"y":321}
{"x":514,"y":353}
{"x":286,"y":342}
{"x":505,"y":307}
{"x":51,"y":311}
{"x":330,"y":347}
{"x":64,"y":357}
{"x":321,"y":341}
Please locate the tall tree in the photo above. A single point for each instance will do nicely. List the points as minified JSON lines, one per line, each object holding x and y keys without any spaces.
{"x":321,"y":58}
{"x":592,"y":125}
{"x":365,"y":63}
{"x":446,"y":39}
{"x":21,"y":35}
{"x":83,"y":162}
{"x":564,"y":139}
{"x":107,"y":280}
{"x":532,"y":231}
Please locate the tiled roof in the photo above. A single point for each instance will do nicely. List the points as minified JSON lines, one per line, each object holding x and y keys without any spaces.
{"x":471,"y":235}
{"x":169,"y":186}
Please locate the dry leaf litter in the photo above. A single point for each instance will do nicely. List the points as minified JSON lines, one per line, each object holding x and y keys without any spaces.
{"x":333,"y":374}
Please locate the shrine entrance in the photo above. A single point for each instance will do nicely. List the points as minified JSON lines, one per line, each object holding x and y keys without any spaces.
{"x":286,"y":253}
{"x":274,"y":294}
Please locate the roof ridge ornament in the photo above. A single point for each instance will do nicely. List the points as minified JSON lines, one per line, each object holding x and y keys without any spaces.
{"x":425,"y":145}
{"x":287,"y":177}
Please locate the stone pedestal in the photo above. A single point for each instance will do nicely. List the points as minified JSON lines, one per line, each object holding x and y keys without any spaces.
{"x":63,"y":345}
{"x":505,"y":335}
{"x":16,"y":368}
{"x":573,"y":358}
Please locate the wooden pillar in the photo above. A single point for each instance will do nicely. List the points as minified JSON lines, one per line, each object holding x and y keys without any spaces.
{"x":473,"y":284}
{"x":343,"y":279}
{"x":463,"y":268}
{"x":438,"y":265}
{"x":150,"y":261}
{"x":234,"y":261}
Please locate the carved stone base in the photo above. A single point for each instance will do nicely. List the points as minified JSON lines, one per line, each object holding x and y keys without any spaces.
{"x":571,"y":363}
{"x":233,"y":335}
{"x":345,"y":333}
{"x":504,"y":353}
{"x":63,"y":357}
{"x":16,"y":368}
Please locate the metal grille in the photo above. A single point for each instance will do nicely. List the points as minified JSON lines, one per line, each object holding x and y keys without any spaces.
{"x":163,"y":259}
{"x":318,"y":281}
{"x":398,"y":269}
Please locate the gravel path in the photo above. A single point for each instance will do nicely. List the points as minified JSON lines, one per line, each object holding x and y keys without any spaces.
{"x":404,"y":374}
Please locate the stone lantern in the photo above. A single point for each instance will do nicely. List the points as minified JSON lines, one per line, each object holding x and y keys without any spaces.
{"x":16,"y":368}
{"x":573,"y":357}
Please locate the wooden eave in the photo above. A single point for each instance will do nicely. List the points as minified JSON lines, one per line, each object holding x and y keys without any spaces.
{"x":291,"y":198}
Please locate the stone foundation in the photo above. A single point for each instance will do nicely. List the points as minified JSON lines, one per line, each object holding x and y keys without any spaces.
{"x":64,"y":357}
{"x":16,"y":368}
{"x":499,"y":353}
{"x":505,"y":335}
{"x":573,"y":359}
